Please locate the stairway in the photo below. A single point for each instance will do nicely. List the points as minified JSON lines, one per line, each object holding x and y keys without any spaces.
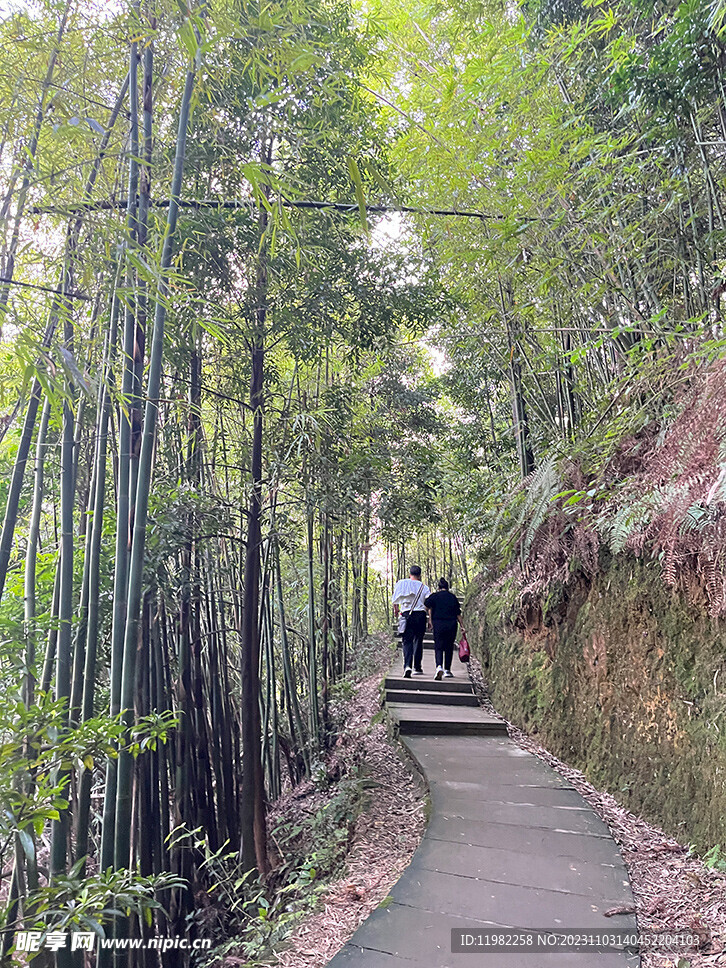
{"x":423,"y":706}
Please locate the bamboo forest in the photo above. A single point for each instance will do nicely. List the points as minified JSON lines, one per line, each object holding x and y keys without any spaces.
{"x":296,"y":295}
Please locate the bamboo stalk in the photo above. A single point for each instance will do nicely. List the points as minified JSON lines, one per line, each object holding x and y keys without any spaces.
{"x":135,"y":583}
{"x":60,"y":827}
{"x":253,"y":850}
{"x":31,"y":555}
{"x":94,"y":576}
{"x":293,"y":707}
{"x":123,"y":491}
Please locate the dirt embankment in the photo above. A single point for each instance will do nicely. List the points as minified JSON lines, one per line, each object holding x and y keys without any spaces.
{"x":622,"y":679}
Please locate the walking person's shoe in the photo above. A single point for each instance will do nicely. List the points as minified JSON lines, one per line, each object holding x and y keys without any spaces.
{"x":407,"y":672}
{"x":439,"y":673}
{"x":448,"y":674}
{"x":418,"y":672}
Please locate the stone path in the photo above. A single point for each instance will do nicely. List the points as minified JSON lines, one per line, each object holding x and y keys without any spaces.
{"x":510,"y":844}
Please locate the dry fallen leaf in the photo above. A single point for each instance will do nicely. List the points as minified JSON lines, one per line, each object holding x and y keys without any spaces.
{"x":623,"y":909}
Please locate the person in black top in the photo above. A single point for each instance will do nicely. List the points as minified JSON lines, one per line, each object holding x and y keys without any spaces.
{"x":444,"y":611}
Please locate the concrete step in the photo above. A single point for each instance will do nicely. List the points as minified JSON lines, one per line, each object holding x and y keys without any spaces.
{"x":427,"y":696}
{"x":428,"y":636}
{"x":421,"y":683}
{"x":421,"y":719}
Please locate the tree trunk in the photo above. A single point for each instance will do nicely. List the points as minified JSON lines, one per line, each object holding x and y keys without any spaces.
{"x":253,"y":849}
{"x":520,"y":416}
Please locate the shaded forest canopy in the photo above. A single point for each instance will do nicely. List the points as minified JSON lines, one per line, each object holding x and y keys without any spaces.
{"x":226,"y":427}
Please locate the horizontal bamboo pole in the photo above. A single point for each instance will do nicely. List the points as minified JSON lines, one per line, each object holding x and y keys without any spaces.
{"x":117,"y":204}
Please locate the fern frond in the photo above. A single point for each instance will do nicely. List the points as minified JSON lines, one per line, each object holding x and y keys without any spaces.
{"x":544,"y":486}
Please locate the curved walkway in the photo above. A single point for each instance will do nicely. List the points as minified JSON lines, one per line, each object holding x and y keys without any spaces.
{"x":510,"y":844}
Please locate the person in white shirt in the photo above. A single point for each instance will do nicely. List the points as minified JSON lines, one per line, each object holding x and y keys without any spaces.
{"x":408,"y":599}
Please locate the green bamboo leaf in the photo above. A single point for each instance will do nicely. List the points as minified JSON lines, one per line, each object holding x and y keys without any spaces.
{"x":188,"y":39}
{"x":359,"y":193}
{"x":382,"y":183}
{"x":75,"y":373}
{"x":27,"y":843}
{"x":305,"y":60}
{"x":273,"y":241}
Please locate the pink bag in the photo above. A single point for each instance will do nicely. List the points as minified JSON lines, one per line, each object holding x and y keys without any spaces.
{"x":464,"y":650}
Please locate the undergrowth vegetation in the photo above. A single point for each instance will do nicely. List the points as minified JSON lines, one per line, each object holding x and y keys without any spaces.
{"x":251,"y":918}
{"x":656,"y":489}
{"x":311,"y":830}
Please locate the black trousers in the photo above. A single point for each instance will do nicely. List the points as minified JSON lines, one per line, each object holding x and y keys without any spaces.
{"x":413,"y":639}
{"x":444,"y":638}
